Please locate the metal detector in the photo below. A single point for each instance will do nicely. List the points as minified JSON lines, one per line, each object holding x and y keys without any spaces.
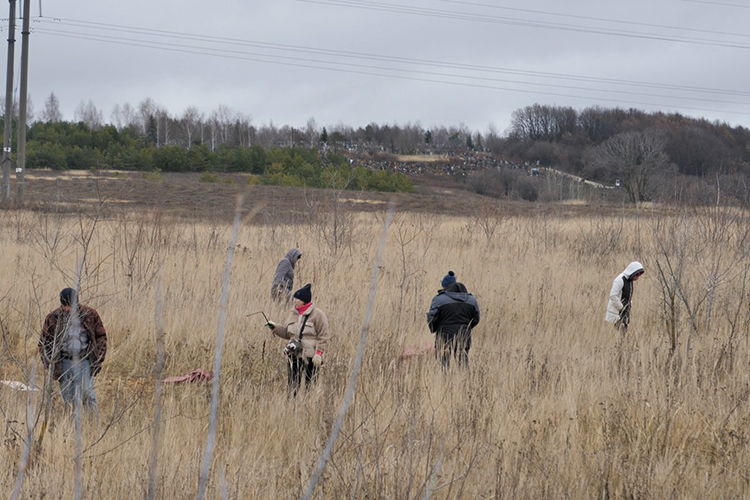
{"x":259,"y":312}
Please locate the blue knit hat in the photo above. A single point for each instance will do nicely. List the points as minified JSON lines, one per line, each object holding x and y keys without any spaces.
{"x":449,"y":279}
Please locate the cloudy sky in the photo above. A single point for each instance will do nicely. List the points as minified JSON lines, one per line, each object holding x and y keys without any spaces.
{"x":436,"y":62}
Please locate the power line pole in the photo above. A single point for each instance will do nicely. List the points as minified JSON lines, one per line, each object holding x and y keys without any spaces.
{"x":21,"y":160}
{"x":8,"y":103}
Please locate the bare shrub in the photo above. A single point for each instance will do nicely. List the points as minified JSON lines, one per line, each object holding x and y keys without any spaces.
{"x":526,"y":189}
{"x":138,"y":243}
{"x":489,"y":216}
{"x":414,"y":238}
{"x":701,"y":260}
{"x":542,"y":231}
{"x":600,"y":236}
{"x":494,"y":182}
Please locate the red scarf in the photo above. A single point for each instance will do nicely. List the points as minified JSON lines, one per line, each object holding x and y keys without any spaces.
{"x":301,"y":309}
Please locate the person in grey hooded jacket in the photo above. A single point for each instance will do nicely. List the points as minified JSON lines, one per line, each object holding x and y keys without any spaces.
{"x":283,"y":280}
{"x":452,"y":315}
{"x":621,"y":296}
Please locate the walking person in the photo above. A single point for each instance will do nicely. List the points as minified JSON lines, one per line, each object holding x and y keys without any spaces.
{"x":283,"y":279}
{"x":74,"y":345}
{"x":452,"y":315}
{"x":306,"y":328}
{"x":621,"y":296}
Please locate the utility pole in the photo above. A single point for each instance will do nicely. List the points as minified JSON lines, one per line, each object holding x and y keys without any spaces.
{"x":8,"y":103}
{"x":21,"y":160}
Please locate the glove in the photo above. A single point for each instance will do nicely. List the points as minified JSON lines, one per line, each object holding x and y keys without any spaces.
{"x":271,"y":325}
{"x":317,"y":360}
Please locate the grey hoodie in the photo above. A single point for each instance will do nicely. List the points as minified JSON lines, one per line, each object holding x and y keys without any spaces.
{"x":283,"y":280}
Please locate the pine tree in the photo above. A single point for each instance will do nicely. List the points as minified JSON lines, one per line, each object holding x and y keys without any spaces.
{"x":151,"y":132}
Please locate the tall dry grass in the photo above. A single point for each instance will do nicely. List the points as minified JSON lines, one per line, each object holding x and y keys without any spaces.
{"x":555,"y":404}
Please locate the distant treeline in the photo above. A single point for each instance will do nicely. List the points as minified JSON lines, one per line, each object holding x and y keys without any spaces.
{"x":566,"y":138}
{"x":559,"y":137}
{"x":655,"y":156}
{"x":63,"y":145}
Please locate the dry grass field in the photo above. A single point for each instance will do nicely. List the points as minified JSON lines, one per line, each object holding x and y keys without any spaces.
{"x":556,"y":403}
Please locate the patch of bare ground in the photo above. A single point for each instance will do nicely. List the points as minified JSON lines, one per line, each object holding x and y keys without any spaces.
{"x":422,"y":158}
{"x":184,"y":195}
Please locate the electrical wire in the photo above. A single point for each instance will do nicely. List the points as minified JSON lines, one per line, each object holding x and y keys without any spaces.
{"x":597,"y":19}
{"x":369,"y":71}
{"x":256,"y":56}
{"x":391,"y":59}
{"x":468,"y":74}
{"x":719,"y":3}
{"x":455,"y":15}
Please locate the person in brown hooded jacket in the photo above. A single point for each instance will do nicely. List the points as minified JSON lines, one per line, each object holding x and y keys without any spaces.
{"x":306,"y":354}
{"x":74,"y":347}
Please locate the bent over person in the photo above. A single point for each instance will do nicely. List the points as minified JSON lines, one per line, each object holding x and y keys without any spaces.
{"x":452,"y":315}
{"x":621,"y":296}
{"x":306,"y":328}
{"x":74,"y":347}
{"x":283,"y":279}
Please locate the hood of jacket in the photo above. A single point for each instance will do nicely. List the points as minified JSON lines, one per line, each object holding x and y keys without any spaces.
{"x":632,"y":268}
{"x":457,"y":291}
{"x":292,"y":256}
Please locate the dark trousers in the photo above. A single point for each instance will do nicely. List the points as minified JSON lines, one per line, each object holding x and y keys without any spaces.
{"x":455,"y":345}
{"x":295,"y":368}
{"x":624,"y":321}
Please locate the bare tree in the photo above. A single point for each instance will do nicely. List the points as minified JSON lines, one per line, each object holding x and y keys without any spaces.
{"x":146,"y":109}
{"x":636,"y":158}
{"x":312,"y":132}
{"x":531,"y":122}
{"x":88,"y":113}
{"x":332,"y":216}
{"x":52,"y":113}
{"x":244,"y":129}
{"x":491,"y":135}
{"x":414,"y":238}
{"x":163,"y":126}
{"x":124,"y":116}
{"x":488,"y":216}
{"x":14,"y":106}
{"x":411,"y":138}
{"x":191,"y":119}
{"x":115,"y":117}
{"x":30,"y":112}
{"x":224,"y":117}
{"x":214,"y":127}
{"x":268,"y":135}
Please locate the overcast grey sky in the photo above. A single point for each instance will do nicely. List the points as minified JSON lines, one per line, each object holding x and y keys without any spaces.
{"x":437,"y":62}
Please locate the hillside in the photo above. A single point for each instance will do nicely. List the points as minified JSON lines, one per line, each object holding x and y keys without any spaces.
{"x":184,"y":195}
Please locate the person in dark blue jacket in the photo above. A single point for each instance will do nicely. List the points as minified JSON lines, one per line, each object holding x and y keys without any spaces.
{"x":452,"y":315}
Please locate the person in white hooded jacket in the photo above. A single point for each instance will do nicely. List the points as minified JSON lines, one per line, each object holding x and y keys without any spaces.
{"x":621,"y":296}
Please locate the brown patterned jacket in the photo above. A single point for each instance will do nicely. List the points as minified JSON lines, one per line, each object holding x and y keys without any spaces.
{"x":53,"y":335}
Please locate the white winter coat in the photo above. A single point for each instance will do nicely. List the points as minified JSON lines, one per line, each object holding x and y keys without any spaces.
{"x":615,"y":304}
